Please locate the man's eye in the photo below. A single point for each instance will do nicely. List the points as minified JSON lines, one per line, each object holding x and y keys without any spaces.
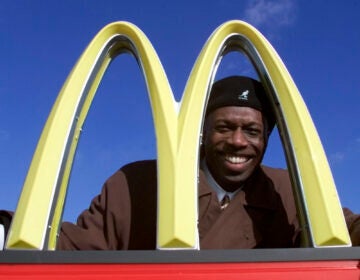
{"x":222,"y":128}
{"x":253,"y":132}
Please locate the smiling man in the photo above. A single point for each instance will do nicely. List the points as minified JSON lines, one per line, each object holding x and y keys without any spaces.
{"x":256,"y":203}
{"x":234,"y":144}
{"x":260,"y":209}
{"x":235,"y":131}
{"x":242,"y":204}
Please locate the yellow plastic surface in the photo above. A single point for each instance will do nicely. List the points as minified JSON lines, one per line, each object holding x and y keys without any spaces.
{"x":325,"y":214}
{"x":177,"y":134}
{"x":43,"y":177}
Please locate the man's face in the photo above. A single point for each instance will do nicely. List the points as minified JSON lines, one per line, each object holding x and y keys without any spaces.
{"x":233,"y":144}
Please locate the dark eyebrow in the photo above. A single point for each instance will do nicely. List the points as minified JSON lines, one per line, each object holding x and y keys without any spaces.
{"x":253,"y":124}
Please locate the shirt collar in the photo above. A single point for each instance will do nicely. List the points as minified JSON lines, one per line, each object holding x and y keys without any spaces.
{"x":220,"y":192}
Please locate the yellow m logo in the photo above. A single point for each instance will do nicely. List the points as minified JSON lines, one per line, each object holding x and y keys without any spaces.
{"x":177,"y":133}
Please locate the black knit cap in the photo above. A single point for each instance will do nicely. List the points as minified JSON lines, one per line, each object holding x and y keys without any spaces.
{"x":241,"y":91}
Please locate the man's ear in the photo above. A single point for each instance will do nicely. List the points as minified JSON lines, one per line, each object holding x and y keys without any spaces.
{"x":202,"y":137}
{"x":202,"y":140}
{"x":204,"y":133}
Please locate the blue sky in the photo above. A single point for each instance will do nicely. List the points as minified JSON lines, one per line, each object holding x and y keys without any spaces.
{"x":40,"y":41}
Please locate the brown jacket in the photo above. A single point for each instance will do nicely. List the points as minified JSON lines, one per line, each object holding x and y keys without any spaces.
{"x":123,"y":216}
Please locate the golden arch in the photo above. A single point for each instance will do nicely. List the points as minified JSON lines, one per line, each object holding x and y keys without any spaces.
{"x":177,"y":139}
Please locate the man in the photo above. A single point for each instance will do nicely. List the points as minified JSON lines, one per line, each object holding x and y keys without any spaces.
{"x":241,"y":203}
{"x":261,"y":212}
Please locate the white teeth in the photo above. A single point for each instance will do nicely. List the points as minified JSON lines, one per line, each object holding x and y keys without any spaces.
{"x":235,"y":159}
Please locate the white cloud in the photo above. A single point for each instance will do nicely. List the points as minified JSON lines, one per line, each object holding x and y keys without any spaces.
{"x":337,"y":157}
{"x":350,"y":151}
{"x":272,"y":13}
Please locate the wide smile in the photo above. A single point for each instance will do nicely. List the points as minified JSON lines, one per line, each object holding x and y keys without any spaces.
{"x":237,"y":163}
{"x":236,"y":159}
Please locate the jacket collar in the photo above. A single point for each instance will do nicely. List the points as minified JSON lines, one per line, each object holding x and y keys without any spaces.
{"x":258,"y":190}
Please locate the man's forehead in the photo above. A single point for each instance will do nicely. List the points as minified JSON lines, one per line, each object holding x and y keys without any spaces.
{"x":235,"y":114}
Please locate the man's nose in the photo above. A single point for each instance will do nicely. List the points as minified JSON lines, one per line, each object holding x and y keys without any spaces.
{"x":238,"y":138}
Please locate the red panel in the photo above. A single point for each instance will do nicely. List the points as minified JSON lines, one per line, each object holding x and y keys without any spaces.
{"x":329,"y":270}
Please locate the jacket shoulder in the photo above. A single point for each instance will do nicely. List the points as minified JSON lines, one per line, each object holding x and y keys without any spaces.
{"x":279,"y":176}
{"x":141,"y":164}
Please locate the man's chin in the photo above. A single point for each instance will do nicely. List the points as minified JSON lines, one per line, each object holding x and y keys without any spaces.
{"x":236,"y":180}
{"x":231,"y":184}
